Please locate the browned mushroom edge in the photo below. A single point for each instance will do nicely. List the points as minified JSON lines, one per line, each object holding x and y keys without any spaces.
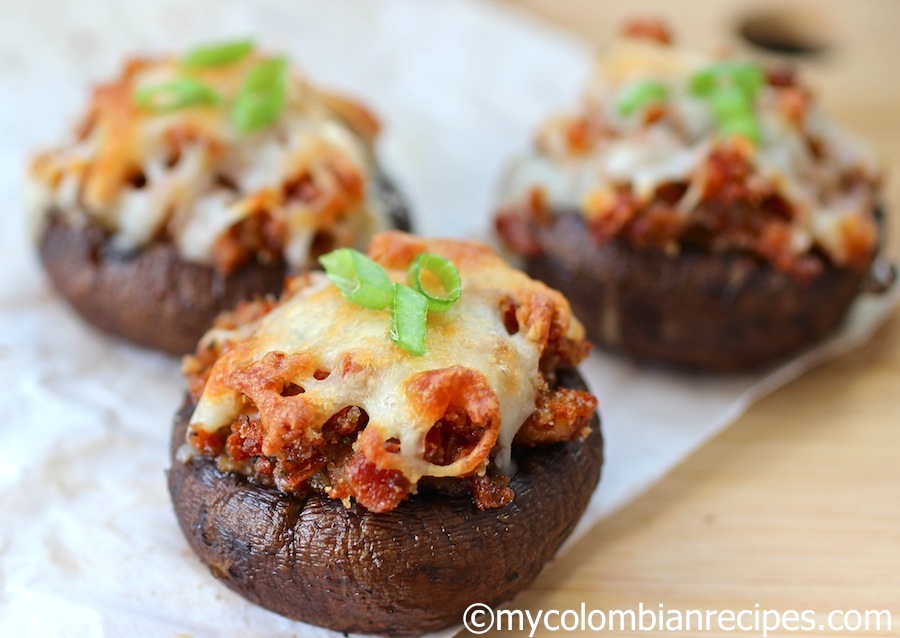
{"x":412,"y":570}
{"x":726,"y":311}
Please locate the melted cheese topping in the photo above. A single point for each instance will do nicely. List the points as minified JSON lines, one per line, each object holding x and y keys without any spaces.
{"x":189,"y":175}
{"x":366,"y":369}
{"x":612,"y":151}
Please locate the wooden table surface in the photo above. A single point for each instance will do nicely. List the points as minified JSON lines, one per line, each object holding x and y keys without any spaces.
{"x":796,"y":505}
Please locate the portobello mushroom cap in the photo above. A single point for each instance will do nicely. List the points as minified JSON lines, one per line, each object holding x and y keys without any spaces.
{"x":152,"y":296}
{"x":412,"y":570}
{"x":724,"y":311}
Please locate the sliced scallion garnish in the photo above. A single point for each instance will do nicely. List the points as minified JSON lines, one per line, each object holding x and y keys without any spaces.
{"x":745,"y":127}
{"x":360,"y":279}
{"x":636,"y":96}
{"x":728,"y":102}
{"x":262,"y":95}
{"x":365,"y":283}
{"x":409,"y":319}
{"x":734,"y":113}
{"x":220,"y":54}
{"x":730,"y":88}
{"x":446,"y":274}
{"x":179,"y":93}
{"x":747,"y":76}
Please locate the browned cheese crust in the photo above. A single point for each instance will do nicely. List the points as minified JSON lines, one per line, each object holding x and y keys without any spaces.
{"x":411,"y":570}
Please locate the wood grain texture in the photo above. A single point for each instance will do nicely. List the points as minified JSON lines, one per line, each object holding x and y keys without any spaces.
{"x":797,"y":505}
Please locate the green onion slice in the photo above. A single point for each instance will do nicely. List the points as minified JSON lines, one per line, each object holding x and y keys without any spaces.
{"x":730,"y":87}
{"x":360,"y":279}
{"x":636,"y":96}
{"x":444,"y":271}
{"x":734,"y":113}
{"x":262,"y":95}
{"x":220,"y":54}
{"x":742,"y":127}
{"x":747,"y":76}
{"x":409,"y":318}
{"x":180,"y":93}
{"x":729,"y":102}
{"x":703,"y":83}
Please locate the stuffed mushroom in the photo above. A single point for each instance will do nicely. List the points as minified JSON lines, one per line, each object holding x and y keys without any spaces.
{"x":194,"y":182}
{"x":390,"y":442}
{"x":697,"y":210}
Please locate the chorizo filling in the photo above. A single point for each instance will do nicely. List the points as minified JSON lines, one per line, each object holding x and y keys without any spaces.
{"x":310,"y":395}
{"x":673,"y":149}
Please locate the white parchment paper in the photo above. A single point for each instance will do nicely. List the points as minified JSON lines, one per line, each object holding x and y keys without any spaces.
{"x":88,"y":542}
